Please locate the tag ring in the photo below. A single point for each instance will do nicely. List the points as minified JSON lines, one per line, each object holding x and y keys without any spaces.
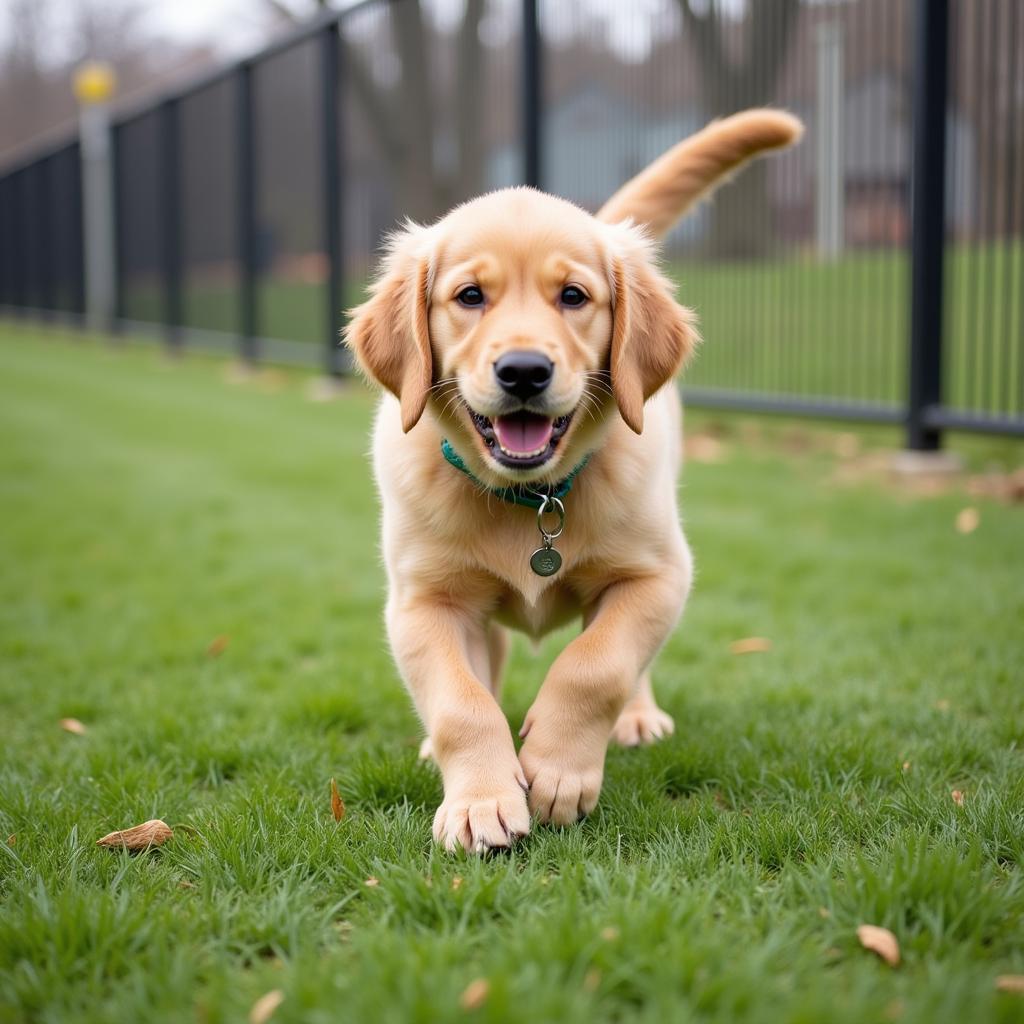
{"x":551,"y":506}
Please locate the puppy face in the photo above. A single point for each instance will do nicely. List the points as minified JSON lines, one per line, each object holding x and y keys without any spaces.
{"x":523,"y":322}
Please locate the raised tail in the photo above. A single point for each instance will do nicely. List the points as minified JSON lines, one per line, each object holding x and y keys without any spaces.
{"x":665,"y":190}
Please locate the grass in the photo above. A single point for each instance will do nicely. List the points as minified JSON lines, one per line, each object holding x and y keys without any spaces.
{"x":149,"y":507}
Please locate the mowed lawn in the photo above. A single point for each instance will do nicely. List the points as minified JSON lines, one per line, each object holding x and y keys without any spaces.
{"x":190,"y":568}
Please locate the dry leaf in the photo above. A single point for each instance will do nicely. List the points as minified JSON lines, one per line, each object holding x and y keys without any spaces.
{"x":1011,"y":983}
{"x":12,"y":839}
{"x":750,"y":645}
{"x":218,"y":645}
{"x":824,"y":912}
{"x":906,"y":767}
{"x":150,"y":833}
{"x":592,"y":980}
{"x":880,"y":941}
{"x":337,"y":804}
{"x":958,"y":797}
{"x":456,"y":883}
{"x":73,"y":725}
{"x":967,"y":520}
{"x":475,"y":995}
{"x":186,"y":884}
{"x":942,"y":705}
{"x":371,"y":882}
{"x":610,"y":934}
{"x":264,"y":1007}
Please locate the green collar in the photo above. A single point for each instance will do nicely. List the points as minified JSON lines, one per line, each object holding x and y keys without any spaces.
{"x":518,"y":495}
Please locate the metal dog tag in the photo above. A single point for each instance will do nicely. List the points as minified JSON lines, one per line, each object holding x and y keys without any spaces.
{"x":545,"y":561}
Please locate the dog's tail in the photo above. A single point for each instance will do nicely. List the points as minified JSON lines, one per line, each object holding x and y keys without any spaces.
{"x":661,"y":193}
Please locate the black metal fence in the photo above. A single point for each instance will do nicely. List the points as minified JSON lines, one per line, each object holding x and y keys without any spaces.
{"x":875,"y":272}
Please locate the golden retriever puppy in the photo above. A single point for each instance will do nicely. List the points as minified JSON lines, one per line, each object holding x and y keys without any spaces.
{"x":526,"y":451}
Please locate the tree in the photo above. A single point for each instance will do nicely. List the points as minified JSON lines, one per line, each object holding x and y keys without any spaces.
{"x":403,"y":117}
{"x":733,"y":80}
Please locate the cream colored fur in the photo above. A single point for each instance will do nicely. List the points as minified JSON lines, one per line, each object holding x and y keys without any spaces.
{"x":457,"y":557}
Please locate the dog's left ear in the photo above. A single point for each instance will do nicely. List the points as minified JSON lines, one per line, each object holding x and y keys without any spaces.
{"x":652,"y":335}
{"x":389,"y":333}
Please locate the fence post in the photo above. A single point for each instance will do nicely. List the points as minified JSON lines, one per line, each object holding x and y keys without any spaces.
{"x":532,"y":94}
{"x":333,"y":185}
{"x":247,"y":241}
{"x":170,"y":209}
{"x":928,"y":202}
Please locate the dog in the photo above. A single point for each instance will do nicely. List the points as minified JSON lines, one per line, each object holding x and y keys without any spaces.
{"x":526,"y":449}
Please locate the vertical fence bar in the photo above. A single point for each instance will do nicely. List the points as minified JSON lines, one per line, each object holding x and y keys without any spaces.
{"x":170,"y":212}
{"x":927,"y":221}
{"x":532,"y":95}
{"x":332,"y":192}
{"x":247,"y":241}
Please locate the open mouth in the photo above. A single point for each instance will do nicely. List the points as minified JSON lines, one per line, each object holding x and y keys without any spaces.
{"x":521,"y":439}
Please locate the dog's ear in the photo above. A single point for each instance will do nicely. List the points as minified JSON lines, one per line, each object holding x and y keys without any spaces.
{"x":652,"y":335}
{"x":389,"y":333}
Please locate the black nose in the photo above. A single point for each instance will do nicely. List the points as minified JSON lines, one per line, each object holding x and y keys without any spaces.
{"x":524,"y":373}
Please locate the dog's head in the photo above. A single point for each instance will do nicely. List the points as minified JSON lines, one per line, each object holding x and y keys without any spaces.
{"x":522,"y":323}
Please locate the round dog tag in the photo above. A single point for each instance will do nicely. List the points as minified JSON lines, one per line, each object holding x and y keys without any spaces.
{"x":545,"y":561}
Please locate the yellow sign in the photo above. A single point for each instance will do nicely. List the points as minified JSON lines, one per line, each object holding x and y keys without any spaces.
{"x":95,"y":82}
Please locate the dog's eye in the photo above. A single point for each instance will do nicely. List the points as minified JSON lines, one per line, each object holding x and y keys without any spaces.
{"x":573,"y":296}
{"x":470,"y":296}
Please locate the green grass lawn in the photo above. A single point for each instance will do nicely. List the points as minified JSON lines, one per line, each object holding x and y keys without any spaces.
{"x":150,"y":507}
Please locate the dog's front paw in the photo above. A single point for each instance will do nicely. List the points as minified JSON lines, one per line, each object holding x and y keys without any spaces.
{"x":482,"y":816}
{"x":564,"y":771}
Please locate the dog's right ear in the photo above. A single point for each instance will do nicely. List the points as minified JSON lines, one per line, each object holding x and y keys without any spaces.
{"x":389,"y":334}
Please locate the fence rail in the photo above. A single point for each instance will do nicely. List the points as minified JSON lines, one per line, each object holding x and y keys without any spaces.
{"x":874,"y":273}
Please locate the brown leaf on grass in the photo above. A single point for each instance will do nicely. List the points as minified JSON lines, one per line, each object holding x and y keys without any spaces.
{"x":456,"y":883}
{"x":371,"y":882}
{"x":942,"y":705}
{"x":1011,"y":983}
{"x":610,"y":933}
{"x":73,"y":725}
{"x":906,"y":767}
{"x":475,"y":994}
{"x":149,"y":833}
{"x":12,"y":839}
{"x":218,"y":645}
{"x":337,"y":804}
{"x":750,"y":645}
{"x":880,"y":941}
{"x":703,"y":448}
{"x":264,"y":1007}
{"x":958,"y":797}
{"x":967,"y":520}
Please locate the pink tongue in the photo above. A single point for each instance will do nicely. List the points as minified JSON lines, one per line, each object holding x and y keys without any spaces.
{"x":523,"y":432}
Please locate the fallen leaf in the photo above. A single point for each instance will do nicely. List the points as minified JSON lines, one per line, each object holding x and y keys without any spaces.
{"x":73,"y":725}
{"x":906,"y":767}
{"x":703,"y":448}
{"x":371,"y":882}
{"x":942,"y":705}
{"x":750,"y":645}
{"x":456,"y":883}
{"x":149,"y":833}
{"x":218,"y":645}
{"x":880,"y":941}
{"x":264,"y":1007}
{"x":967,"y":520}
{"x":337,"y":804}
{"x":592,"y":980}
{"x":958,"y":797}
{"x":610,"y":934}
{"x":186,"y":884}
{"x":12,"y":839}
{"x":847,"y":446}
{"x":475,"y":994}
{"x":1011,"y":983}
{"x":824,"y":912}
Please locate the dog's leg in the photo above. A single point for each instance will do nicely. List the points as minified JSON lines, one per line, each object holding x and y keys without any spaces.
{"x":490,"y":668}
{"x":641,"y":720}
{"x":441,"y":650}
{"x":568,"y":727}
